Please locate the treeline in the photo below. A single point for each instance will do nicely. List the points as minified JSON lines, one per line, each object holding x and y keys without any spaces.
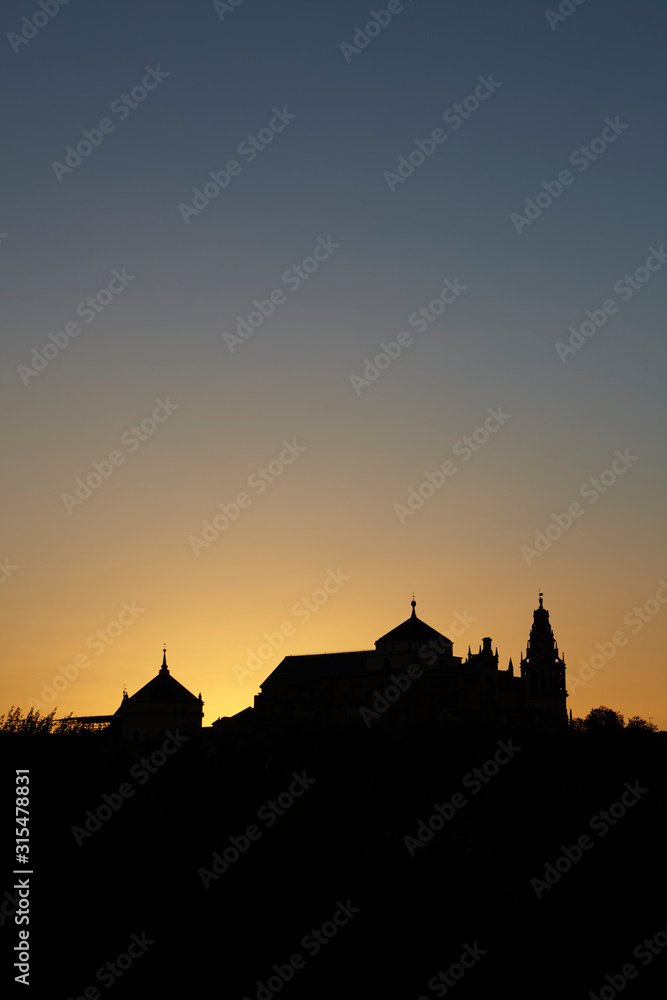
{"x":598,"y":720}
{"x":606,"y":720}
{"x":33,"y":722}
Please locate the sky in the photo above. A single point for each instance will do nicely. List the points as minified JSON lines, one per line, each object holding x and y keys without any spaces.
{"x":215,"y":219}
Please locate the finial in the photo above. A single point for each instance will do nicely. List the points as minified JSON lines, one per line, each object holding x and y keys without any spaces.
{"x":414,"y":605}
{"x":164,"y":657}
{"x":541,"y":595}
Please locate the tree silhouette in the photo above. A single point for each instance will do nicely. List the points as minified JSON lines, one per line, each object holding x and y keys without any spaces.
{"x":639,"y":725}
{"x":603,"y":719}
{"x":606,"y":720}
{"x":15,"y":722}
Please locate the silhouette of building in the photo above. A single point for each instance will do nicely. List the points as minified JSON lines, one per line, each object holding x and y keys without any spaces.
{"x":357,"y":688}
{"x":410,"y":679}
{"x":161,"y":704}
{"x":543,"y":672}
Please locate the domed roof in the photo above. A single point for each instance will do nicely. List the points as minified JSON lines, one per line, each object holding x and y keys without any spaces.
{"x":413,"y":629}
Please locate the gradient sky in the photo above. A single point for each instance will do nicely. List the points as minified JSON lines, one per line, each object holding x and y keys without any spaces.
{"x":68,"y":572}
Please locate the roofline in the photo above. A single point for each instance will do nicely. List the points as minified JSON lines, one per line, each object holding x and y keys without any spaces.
{"x":327,"y":652}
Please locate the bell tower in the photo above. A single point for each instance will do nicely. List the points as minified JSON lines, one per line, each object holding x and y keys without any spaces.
{"x":543,"y":672}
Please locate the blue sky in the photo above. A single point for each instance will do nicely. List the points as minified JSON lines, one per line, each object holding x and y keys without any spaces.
{"x":323,"y":178}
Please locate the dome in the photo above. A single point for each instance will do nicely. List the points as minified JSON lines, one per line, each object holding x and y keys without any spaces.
{"x":410,"y":635}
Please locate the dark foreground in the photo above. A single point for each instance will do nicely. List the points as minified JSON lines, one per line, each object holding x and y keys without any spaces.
{"x":319,"y":867}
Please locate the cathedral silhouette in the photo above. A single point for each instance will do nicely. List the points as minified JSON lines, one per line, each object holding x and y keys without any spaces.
{"x":412,"y":679}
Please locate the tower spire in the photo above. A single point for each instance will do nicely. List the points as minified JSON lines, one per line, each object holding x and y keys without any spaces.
{"x":544,"y":670}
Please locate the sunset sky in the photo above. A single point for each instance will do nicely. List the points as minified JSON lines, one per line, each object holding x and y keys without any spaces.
{"x":358,"y":187}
